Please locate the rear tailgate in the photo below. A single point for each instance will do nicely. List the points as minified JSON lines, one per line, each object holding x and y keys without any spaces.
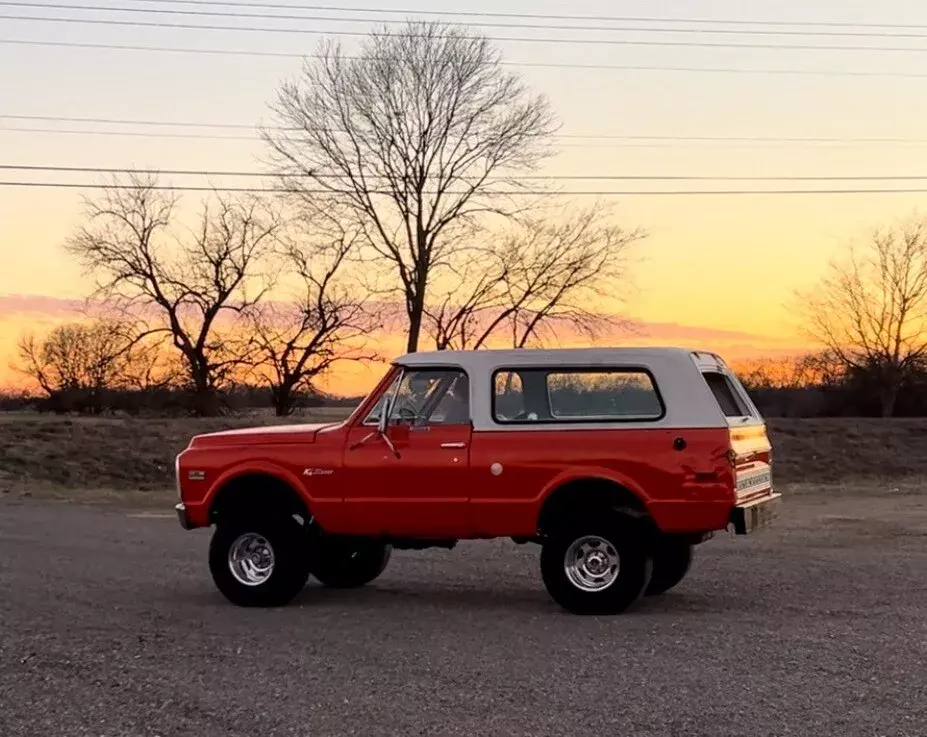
{"x":756,"y":503}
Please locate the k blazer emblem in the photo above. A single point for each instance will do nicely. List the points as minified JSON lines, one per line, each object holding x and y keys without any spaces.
{"x":317,"y":472}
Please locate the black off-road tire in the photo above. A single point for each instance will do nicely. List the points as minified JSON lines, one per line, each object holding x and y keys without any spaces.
{"x":671,"y":561}
{"x":347,"y":564}
{"x":290,"y":571}
{"x":624,"y":539}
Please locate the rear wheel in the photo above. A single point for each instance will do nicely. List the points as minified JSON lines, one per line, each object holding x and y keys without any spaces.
{"x":596,"y":567}
{"x":348,"y":564}
{"x":671,"y":561}
{"x":259,"y":562}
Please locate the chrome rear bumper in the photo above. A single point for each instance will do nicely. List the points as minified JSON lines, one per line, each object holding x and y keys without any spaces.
{"x":755,"y":514}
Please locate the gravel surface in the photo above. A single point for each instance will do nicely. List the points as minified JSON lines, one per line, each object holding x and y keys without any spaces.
{"x":110,"y":626}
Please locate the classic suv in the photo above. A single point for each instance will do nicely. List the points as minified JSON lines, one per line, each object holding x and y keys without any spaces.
{"x":616,"y":461}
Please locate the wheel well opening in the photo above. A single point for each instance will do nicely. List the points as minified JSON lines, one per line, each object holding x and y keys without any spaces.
{"x":257,"y":493}
{"x":588,"y":497}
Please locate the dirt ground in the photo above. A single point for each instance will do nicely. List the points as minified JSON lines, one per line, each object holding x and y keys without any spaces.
{"x":112,"y":627}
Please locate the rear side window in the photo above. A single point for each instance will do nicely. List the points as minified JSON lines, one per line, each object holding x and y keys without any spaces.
{"x":726,"y":395}
{"x":561,"y":395}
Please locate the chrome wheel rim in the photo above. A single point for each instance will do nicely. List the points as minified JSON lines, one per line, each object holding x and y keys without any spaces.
{"x":591,"y":563}
{"x":251,"y":559}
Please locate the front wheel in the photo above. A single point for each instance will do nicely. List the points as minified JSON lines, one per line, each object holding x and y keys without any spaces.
{"x":596,"y":567}
{"x":348,"y":564}
{"x":259,"y":562}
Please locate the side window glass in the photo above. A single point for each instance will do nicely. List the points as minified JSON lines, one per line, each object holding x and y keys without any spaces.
{"x":602,"y":395}
{"x":509,"y":399}
{"x":453,"y":406}
{"x":540,"y":395}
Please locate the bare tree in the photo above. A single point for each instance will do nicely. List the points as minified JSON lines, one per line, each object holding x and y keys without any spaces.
{"x":870,"y":308}
{"x":83,"y":360}
{"x":419,"y":134}
{"x":328,"y":322}
{"x":544,"y":277}
{"x":144,"y":270}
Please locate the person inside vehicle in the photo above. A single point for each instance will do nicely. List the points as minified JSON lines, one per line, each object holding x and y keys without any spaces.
{"x":455,"y":405}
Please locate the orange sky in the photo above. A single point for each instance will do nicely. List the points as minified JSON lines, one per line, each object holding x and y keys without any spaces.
{"x":716,"y":272}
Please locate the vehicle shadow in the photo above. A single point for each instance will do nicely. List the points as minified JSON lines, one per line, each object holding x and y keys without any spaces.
{"x":458,"y":598}
{"x":388,"y":598}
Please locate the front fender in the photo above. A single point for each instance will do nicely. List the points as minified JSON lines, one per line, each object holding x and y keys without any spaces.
{"x":257,"y":468}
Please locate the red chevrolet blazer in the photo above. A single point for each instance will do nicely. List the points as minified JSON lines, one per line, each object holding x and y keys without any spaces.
{"x":616,"y":461}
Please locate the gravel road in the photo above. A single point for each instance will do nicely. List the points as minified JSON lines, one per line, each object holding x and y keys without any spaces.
{"x":110,"y":626}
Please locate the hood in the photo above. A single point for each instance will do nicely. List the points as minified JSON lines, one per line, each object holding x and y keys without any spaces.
{"x":273,"y":434}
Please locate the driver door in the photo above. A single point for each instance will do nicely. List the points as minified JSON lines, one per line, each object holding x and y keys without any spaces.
{"x":424,"y":492}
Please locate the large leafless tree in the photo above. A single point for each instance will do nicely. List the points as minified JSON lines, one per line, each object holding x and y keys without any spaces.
{"x":328,"y":320}
{"x":421,"y":134}
{"x":544,"y":278}
{"x":185,"y":283}
{"x":870,"y":309}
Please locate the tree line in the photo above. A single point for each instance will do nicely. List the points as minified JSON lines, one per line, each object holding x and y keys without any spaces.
{"x":407,"y":200}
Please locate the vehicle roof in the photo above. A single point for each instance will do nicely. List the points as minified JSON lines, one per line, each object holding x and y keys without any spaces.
{"x":492,"y":358}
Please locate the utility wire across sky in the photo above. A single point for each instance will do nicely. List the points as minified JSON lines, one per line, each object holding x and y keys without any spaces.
{"x":595,"y":136}
{"x":527,"y":178}
{"x":625,"y":142}
{"x":504,"y":39}
{"x":532,"y":16}
{"x":512,"y":63}
{"x":467,"y":24}
{"x":508,"y":193}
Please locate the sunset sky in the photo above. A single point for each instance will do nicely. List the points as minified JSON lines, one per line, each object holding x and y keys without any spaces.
{"x":715,"y":272}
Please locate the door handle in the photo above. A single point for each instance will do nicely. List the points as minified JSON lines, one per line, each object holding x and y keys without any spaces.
{"x":453,"y":445}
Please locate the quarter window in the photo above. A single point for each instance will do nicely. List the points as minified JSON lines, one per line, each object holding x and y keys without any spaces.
{"x":601,"y":395}
{"x":726,"y":395}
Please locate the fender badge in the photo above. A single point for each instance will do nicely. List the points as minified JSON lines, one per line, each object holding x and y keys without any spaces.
{"x":196,"y":475}
{"x":317,"y":472}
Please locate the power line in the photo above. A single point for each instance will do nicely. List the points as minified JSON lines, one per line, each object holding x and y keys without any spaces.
{"x":524,"y":64}
{"x":511,"y":193}
{"x":505,"y":39}
{"x":129,"y":121}
{"x":467,"y":24}
{"x":625,"y":142}
{"x":585,"y":136}
{"x":552,"y":177}
{"x":539,"y":16}
{"x":131,"y":134}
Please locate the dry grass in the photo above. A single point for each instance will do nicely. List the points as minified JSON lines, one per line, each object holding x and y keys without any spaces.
{"x":116,"y":454}
{"x":56,"y":456}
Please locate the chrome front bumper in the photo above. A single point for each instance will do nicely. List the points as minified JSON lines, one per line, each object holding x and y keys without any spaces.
{"x":182,"y":516}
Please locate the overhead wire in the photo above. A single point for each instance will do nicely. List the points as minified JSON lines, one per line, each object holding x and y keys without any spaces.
{"x":510,"y":193}
{"x":504,"y":39}
{"x":513,"y":63}
{"x":536,"y":16}
{"x":585,"y":136}
{"x":534,"y":177}
{"x":465,"y":24}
